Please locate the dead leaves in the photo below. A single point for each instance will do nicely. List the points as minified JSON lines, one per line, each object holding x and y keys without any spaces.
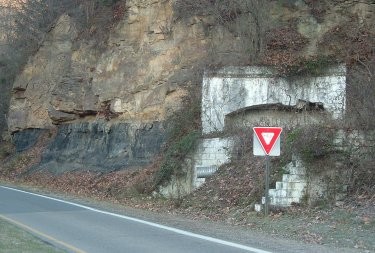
{"x":311,"y":237}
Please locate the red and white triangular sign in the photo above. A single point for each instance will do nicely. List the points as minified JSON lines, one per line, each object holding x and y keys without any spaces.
{"x":267,"y":137}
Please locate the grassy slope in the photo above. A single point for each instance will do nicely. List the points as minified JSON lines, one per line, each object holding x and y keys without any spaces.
{"x":14,"y":239}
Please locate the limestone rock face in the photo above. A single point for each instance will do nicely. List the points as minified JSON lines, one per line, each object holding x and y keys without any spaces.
{"x":33,"y":89}
{"x":145,"y":51}
{"x":137,"y":76}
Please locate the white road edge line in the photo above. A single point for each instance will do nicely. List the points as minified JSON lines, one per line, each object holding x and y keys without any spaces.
{"x":175,"y":230}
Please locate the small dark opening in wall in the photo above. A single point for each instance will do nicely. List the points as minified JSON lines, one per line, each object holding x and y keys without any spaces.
{"x":301,"y":105}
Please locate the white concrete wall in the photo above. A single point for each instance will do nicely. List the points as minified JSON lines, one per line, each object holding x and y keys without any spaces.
{"x":230,"y":89}
{"x":211,"y":152}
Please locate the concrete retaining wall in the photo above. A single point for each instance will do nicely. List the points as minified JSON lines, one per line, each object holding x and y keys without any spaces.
{"x":230,"y":89}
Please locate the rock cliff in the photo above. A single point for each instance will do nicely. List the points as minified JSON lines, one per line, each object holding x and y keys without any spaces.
{"x":138,"y":77}
{"x":112,"y":100}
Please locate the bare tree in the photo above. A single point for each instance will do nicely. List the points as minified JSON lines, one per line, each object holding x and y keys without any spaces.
{"x":246,"y":20}
{"x":360,"y":161}
{"x":361,"y":92}
{"x":23,"y":26}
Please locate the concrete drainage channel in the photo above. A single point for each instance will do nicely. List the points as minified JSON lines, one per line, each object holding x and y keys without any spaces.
{"x":203,"y":172}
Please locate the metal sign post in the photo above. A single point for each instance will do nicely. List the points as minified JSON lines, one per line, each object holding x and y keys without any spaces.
{"x":267,"y":143}
{"x":267,"y":183}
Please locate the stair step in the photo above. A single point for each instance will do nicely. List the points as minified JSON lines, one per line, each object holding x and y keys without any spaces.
{"x":293,"y":178}
{"x":290,"y":185}
{"x":285,"y":193}
{"x":296,"y":171}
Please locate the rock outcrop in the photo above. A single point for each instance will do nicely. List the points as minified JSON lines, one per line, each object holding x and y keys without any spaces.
{"x":130,"y":86}
{"x":140,"y":76}
{"x":102,"y":146}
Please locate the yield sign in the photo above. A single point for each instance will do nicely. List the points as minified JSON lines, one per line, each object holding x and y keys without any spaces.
{"x":267,"y":137}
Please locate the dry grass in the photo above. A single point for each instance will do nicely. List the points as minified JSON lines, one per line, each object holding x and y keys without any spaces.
{"x":15,"y":240}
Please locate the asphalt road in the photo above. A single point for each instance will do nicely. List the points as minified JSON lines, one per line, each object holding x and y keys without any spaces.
{"x":78,"y":228}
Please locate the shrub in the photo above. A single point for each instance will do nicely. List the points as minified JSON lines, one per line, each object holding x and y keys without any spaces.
{"x":310,"y":143}
{"x":183,"y":133}
{"x":107,"y":2}
{"x":6,"y":149}
{"x":175,"y":156}
{"x":245,"y":20}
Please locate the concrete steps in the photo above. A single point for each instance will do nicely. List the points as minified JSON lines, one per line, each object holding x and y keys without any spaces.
{"x":291,"y":188}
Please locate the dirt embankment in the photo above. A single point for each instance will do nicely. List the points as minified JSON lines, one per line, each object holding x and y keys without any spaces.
{"x":227,"y":197}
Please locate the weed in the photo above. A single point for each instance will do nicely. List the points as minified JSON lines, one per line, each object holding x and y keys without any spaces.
{"x":321,"y":204}
{"x":310,"y":142}
{"x":175,"y":156}
{"x":183,"y":134}
{"x":305,"y":199}
{"x":107,"y":2}
{"x":6,"y":149}
{"x":312,"y":66}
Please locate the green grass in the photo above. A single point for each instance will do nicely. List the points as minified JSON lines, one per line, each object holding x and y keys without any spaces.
{"x":16,"y":240}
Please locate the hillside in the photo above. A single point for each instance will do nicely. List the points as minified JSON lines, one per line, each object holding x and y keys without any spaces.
{"x":104,"y":99}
